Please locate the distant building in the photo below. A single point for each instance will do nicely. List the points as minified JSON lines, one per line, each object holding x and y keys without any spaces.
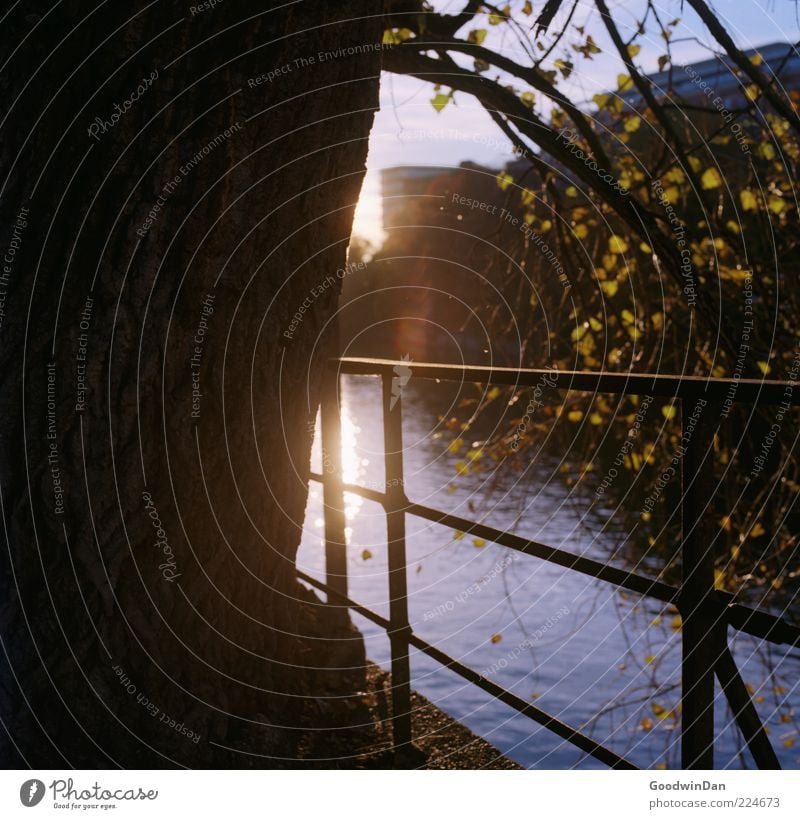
{"x":719,"y":73}
{"x":399,"y":184}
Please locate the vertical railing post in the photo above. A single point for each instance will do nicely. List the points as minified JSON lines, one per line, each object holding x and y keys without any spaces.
{"x":333,"y":491}
{"x":702,"y":628}
{"x":396,"y":537}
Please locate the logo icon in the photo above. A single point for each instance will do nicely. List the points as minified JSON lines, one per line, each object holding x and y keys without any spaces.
{"x":401,"y":377}
{"x":31,"y":792}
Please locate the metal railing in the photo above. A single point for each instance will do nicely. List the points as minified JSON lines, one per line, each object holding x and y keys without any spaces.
{"x":706,"y":613}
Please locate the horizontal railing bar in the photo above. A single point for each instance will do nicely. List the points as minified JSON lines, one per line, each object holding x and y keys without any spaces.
{"x":738,"y":390}
{"x":756,"y":623}
{"x":760,"y":623}
{"x":566,"y":732}
{"x":583,"y":565}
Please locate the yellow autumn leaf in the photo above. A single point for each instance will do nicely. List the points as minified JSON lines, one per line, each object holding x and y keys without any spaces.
{"x":616,"y":244}
{"x":366,"y":554}
{"x":458,"y":535}
{"x":456,"y":445}
{"x":764,"y":367}
{"x":478,"y":542}
{"x":496,"y":638}
{"x":575,"y":416}
{"x":624,"y":82}
{"x":596,"y":419}
{"x":647,"y":724}
{"x":676,"y":623}
{"x":609,"y":288}
{"x":766,"y":150}
{"x":776,"y":204}
{"x":632,"y":124}
{"x":581,"y":231}
{"x":711,"y":179}
{"x":672,"y":194}
{"x":669,"y":411}
{"x":757,"y":531}
{"x":675,"y":174}
{"x":504,"y":180}
{"x":650,"y":659}
{"x":634,"y":49}
{"x":748,"y":199}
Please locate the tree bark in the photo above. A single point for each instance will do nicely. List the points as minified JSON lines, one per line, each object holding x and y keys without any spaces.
{"x":156,"y":390}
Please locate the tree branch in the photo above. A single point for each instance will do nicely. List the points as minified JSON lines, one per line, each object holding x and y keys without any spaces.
{"x":712,"y":23}
{"x":643,"y":86}
{"x":532,"y":76}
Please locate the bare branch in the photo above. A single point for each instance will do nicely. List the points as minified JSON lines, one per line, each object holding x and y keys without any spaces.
{"x":778,"y":102}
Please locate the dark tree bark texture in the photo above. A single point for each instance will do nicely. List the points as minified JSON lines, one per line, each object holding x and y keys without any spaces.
{"x":178,"y":182}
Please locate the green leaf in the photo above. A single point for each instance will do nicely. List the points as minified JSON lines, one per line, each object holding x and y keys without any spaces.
{"x":711,"y":179}
{"x":477,"y":36}
{"x":504,"y":180}
{"x":439,"y":102}
{"x":565,"y":67}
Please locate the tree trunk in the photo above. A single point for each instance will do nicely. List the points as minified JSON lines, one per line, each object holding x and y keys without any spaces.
{"x":178,"y":185}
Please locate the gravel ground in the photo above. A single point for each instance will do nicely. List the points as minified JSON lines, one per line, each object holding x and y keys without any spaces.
{"x":439,"y":742}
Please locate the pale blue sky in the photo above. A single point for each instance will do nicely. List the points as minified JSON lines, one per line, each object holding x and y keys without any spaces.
{"x":408,"y":130}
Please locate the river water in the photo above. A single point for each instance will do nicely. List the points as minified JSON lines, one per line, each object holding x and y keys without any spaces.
{"x":597,"y":658}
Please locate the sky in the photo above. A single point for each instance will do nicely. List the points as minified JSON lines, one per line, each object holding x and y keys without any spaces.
{"x":408,"y":131}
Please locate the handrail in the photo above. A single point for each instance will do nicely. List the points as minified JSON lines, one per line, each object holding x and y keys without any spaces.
{"x":706,"y":612}
{"x":747,"y":390}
